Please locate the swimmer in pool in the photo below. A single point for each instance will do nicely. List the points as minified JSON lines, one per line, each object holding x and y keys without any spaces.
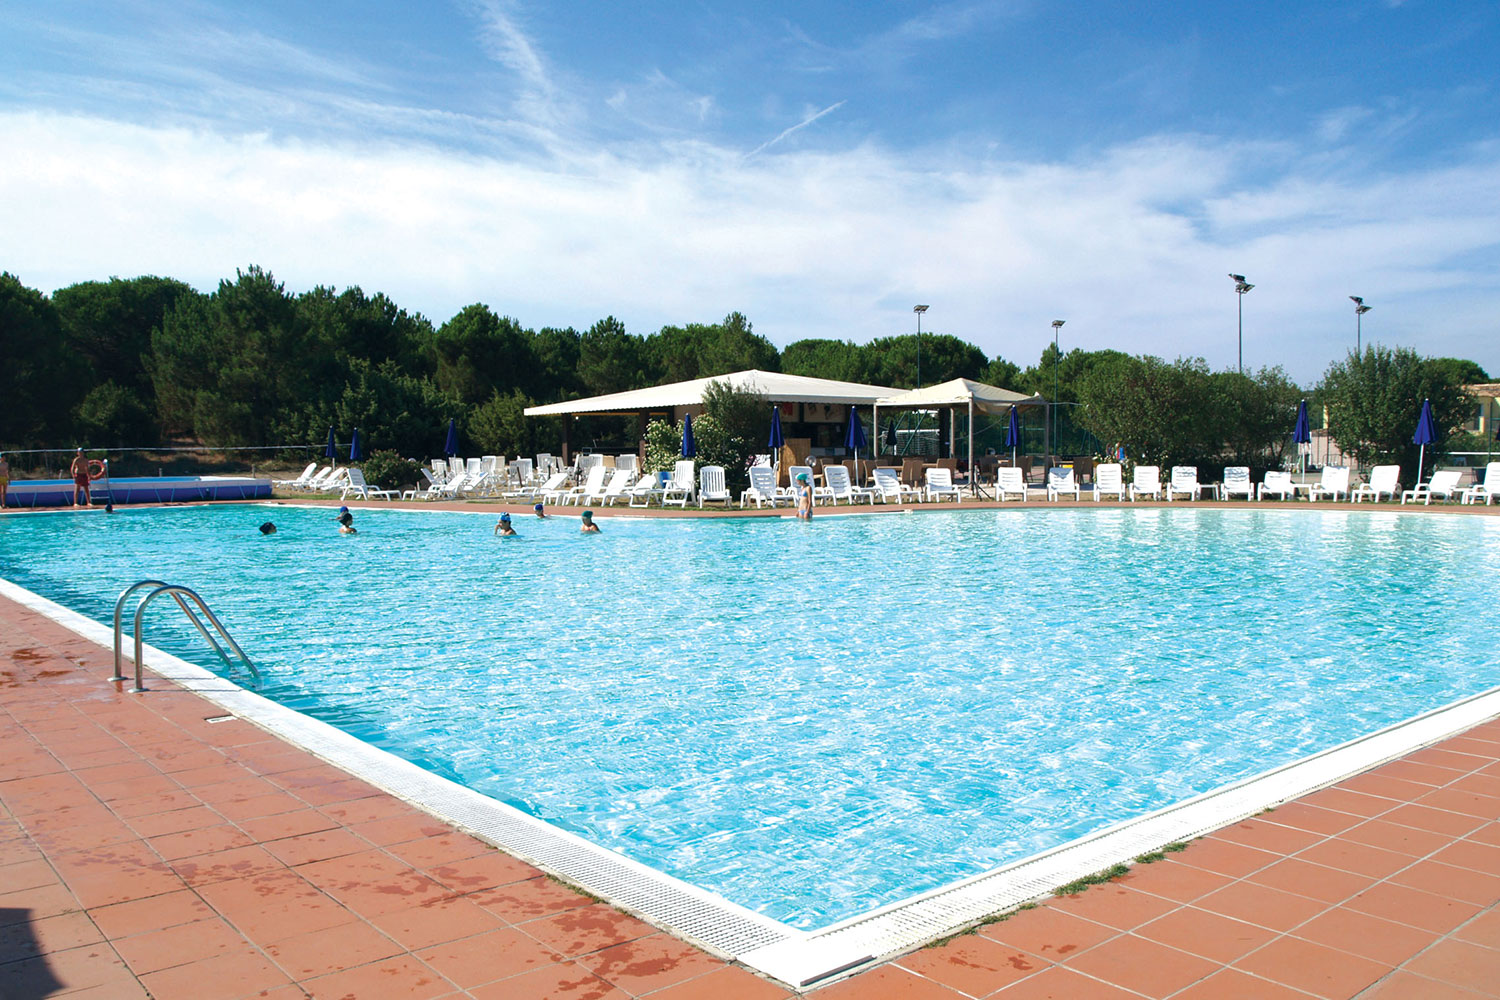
{"x":346,"y":522}
{"x":268,"y":528}
{"x":539,"y":512}
{"x":588,"y":527}
{"x":503,"y":528}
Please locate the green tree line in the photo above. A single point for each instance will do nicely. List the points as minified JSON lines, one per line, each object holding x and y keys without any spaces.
{"x":133,"y":362}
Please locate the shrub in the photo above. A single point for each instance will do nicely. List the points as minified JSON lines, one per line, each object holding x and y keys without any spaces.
{"x":390,"y":471}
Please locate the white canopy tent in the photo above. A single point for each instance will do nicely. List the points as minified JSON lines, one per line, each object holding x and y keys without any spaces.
{"x":959,"y":392}
{"x":775,"y":386}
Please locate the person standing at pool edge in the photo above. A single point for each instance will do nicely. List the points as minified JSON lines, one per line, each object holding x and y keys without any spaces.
{"x":4,"y":480}
{"x":80,"y":472}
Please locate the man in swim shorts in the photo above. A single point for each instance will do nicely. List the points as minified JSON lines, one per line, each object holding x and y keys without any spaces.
{"x":346,"y":522}
{"x":588,"y":527}
{"x":80,"y":473}
{"x":503,"y":528}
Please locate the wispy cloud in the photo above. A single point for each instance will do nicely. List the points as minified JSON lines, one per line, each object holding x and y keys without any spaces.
{"x":1129,"y":246}
{"x":795,"y":128}
{"x":539,"y":98}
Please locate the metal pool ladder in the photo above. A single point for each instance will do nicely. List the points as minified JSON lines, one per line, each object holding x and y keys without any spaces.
{"x":181,"y":595}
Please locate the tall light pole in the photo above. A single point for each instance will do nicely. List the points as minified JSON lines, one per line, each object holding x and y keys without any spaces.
{"x":1359,"y":313}
{"x":1241,"y":286}
{"x":919,"y":310}
{"x":1057,"y":326}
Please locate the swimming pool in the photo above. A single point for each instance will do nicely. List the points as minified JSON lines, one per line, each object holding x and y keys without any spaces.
{"x":812,"y":720}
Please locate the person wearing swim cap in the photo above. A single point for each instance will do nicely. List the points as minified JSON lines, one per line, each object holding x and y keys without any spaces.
{"x":539,"y":512}
{"x":804,"y":497}
{"x":588,"y":527}
{"x":346,"y":522}
{"x":268,"y":528}
{"x":503,"y":528}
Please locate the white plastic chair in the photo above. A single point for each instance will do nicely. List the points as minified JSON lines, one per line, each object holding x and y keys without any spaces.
{"x":711,"y":486}
{"x":1184,"y":480}
{"x":357,"y":486}
{"x":1059,"y":481}
{"x":939,"y":485}
{"x":645,"y":488}
{"x":593,"y":485}
{"x":890,"y":489}
{"x":298,"y":482}
{"x":1384,"y":479}
{"x":1109,"y":478}
{"x":1146,"y":482}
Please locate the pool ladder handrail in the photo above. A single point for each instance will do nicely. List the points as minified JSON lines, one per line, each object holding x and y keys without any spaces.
{"x":177,"y":593}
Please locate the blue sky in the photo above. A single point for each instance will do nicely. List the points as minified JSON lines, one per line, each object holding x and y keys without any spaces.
{"x":819,"y":167}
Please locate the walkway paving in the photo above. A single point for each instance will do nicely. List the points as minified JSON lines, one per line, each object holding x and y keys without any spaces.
{"x":148,"y":850}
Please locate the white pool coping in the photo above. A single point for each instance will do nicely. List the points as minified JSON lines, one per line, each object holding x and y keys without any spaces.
{"x":800,"y":959}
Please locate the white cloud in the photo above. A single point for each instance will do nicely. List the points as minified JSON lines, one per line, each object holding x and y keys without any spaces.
{"x":1131,"y":248}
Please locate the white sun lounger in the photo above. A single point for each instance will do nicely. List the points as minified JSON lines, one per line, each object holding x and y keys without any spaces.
{"x":1334,"y":483}
{"x":762,"y":488}
{"x":1486,"y":490}
{"x":679,"y":489}
{"x":1146,"y":482}
{"x":1443,"y":483}
{"x":620,"y":480}
{"x":1184,"y":480}
{"x":1384,"y":480}
{"x":363,"y":490}
{"x":1060,"y":481}
{"x":1277,"y":484}
{"x":592,"y":485}
{"x":1009,"y":482}
{"x":842,"y":488}
{"x":299,"y":481}
{"x":1237,"y":483}
{"x":890,"y":489}
{"x":1109,"y":478}
{"x":940,"y":484}
{"x":645,"y":488}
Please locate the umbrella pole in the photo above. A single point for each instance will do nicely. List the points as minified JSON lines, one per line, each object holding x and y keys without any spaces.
{"x":973,"y":479}
{"x":1421,"y":456}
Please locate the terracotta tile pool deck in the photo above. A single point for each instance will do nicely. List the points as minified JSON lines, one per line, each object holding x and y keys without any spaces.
{"x":146,"y":851}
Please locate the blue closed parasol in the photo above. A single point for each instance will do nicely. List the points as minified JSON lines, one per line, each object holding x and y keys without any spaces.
{"x":855,"y":439}
{"x":355,"y":454}
{"x":1425,"y":434}
{"x":450,"y":445}
{"x":689,"y":447}
{"x":1302,"y":434}
{"x":330,"y":449}
{"x":1013,"y":435}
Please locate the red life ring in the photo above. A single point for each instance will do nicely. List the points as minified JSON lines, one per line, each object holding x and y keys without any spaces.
{"x":96,"y":475}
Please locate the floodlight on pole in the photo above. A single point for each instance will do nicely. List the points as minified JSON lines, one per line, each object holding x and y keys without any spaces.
{"x":1057,"y":326}
{"x":1359,"y":312}
{"x":1241,"y":286}
{"x":919,"y":310}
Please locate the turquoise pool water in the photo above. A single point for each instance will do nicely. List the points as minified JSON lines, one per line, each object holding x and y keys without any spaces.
{"x":815,"y":719}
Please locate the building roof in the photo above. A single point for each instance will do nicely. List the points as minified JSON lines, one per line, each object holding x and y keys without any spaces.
{"x":1483,"y":389}
{"x":775,"y":386}
{"x":961,"y":392}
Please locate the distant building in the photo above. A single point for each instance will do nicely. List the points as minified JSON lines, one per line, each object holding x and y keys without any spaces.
{"x":1486,"y":411}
